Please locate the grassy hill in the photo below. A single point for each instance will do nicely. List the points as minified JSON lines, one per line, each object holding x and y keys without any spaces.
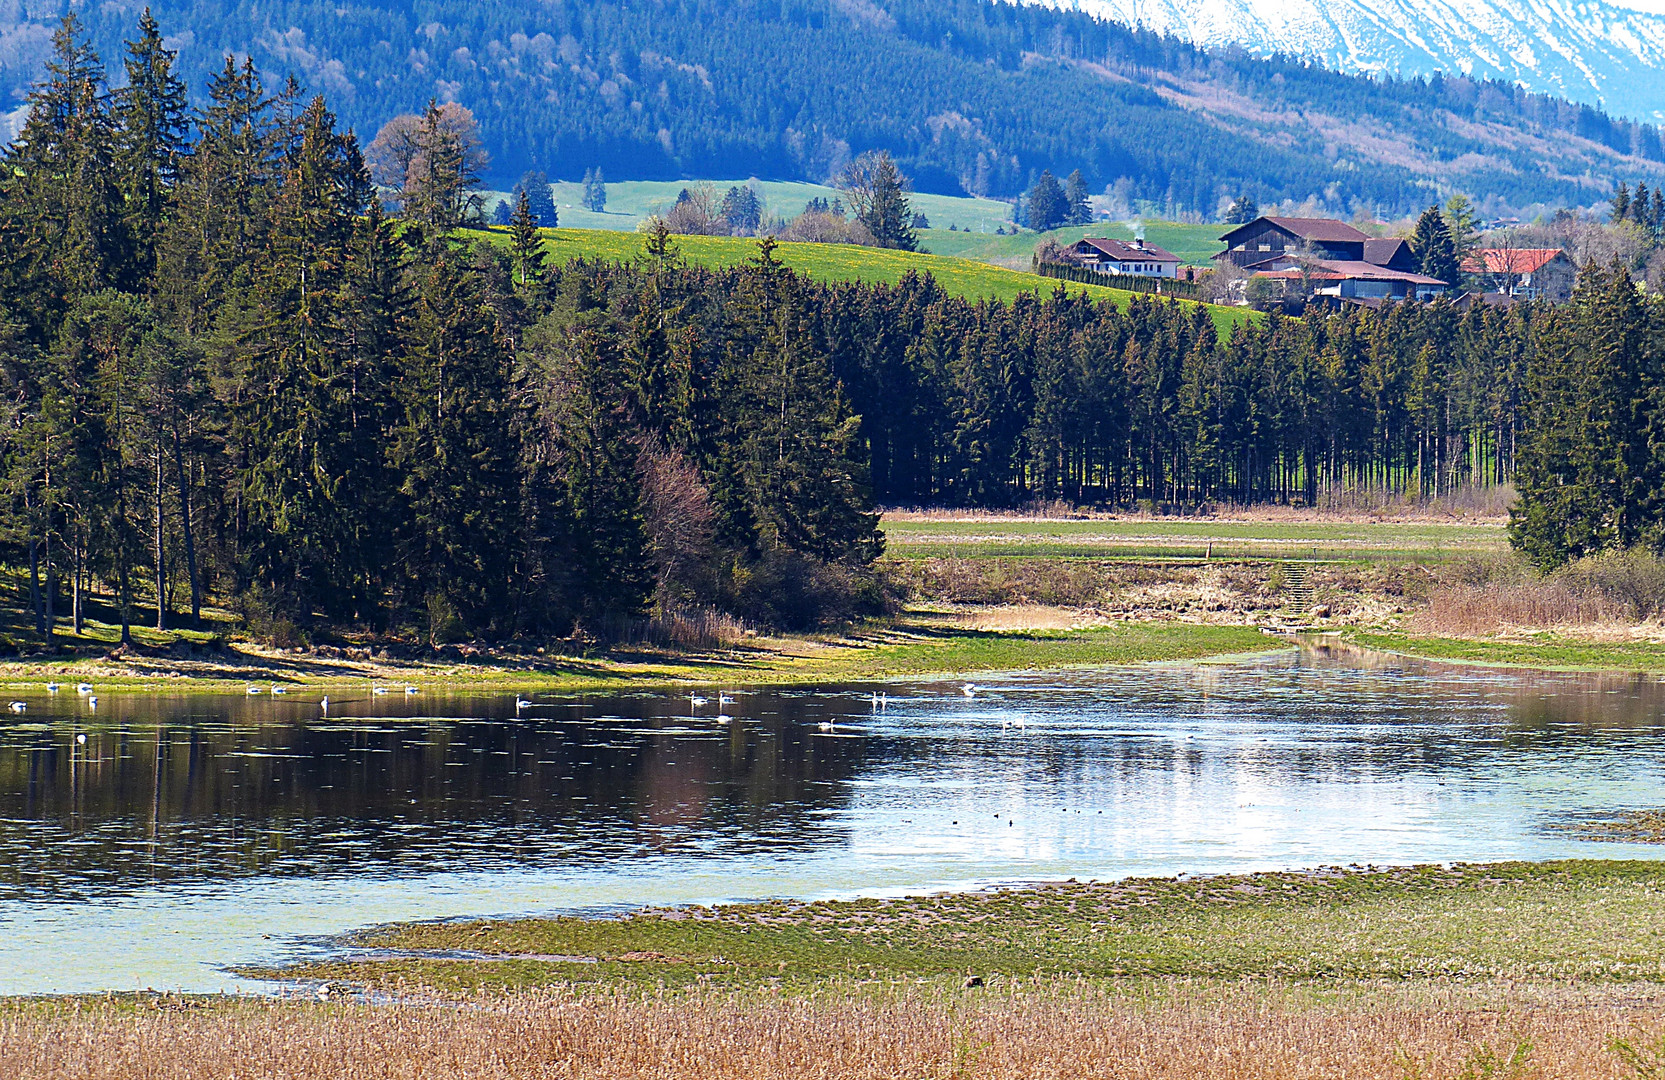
{"x":631,"y":202}
{"x":1192,"y":243}
{"x":845,"y":262}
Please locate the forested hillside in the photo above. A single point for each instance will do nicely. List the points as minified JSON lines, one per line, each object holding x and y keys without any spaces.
{"x":969,"y":96}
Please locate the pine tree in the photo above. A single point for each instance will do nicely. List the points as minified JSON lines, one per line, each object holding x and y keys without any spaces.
{"x":459,"y":486}
{"x":540,"y":201}
{"x":1075,"y":197}
{"x":64,"y":227}
{"x":1435,"y":251}
{"x":1242,"y":211}
{"x":1620,"y":203}
{"x":1587,"y":478}
{"x":789,"y":474}
{"x":151,"y":116}
{"x":289,"y":418}
{"x":209,"y":245}
{"x":525,"y":242}
{"x":440,"y":195}
{"x":1048,"y":208}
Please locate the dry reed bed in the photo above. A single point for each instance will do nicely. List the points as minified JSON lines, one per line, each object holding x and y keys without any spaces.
{"x":1183,"y":1030}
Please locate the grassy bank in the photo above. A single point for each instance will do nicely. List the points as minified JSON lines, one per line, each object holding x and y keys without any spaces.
{"x":1544,"y":651}
{"x":916,"y":646}
{"x":1558,"y":922}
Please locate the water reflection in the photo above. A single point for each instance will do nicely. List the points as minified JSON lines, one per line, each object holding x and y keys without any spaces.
{"x":182,"y":829}
{"x":178,"y":789}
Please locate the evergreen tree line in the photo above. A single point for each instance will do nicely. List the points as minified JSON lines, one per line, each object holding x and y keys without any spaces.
{"x":229,"y":375}
{"x":1644,"y":208}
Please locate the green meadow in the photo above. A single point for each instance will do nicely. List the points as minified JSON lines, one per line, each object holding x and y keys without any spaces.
{"x":847,"y":262}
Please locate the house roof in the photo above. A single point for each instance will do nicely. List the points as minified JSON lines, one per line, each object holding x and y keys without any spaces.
{"x":1321,"y":230}
{"x":1382,"y":252}
{"x":1122,"y":250}
{"x":1351,"y":270}
{"x":1510,"y":260}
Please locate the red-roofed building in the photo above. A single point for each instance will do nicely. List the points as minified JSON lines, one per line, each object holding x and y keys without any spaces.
{"x":1524,"y":273}
{"x":1124,"y":257}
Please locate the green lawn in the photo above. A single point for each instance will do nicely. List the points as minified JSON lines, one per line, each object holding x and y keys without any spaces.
{"x":1588,"y":922}
{"x":846,"y":262}
{"x":909,"y":537}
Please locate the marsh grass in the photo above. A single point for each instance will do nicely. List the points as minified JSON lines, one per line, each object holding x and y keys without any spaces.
{"x":1052,"y":1028}
{"x":1503,"y":595}
{"x":1576,"y":921}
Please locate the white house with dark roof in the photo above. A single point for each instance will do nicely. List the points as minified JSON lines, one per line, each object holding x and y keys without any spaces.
{"x":1134,"y":257}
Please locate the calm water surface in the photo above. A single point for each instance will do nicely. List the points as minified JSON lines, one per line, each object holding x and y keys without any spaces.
{"x":183,"y":834}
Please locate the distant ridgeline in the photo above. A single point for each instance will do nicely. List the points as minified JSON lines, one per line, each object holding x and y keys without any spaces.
{"x":968,"y":96}
{"x":229,"y":375}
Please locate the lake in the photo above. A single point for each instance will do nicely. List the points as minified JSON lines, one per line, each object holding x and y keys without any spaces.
{"x":157,"y":839}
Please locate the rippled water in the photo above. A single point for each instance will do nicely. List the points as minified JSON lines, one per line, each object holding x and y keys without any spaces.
{"x":157,"y":839}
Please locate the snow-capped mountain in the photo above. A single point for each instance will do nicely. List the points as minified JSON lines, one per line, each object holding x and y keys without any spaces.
{"x":1595,"y":51}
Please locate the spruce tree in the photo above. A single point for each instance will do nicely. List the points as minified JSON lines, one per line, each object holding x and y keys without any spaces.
{"x":1435,"y":251}
{"x":64,"y":227}
{"x":1075,"y":197}
{"x":151,"y":116}
{"x":789,"y":471}
{"x":525,"y":242}
{"x":1048,"y":208}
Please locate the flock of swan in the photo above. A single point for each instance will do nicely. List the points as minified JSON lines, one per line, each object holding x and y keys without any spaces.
{"x":880,"y":701}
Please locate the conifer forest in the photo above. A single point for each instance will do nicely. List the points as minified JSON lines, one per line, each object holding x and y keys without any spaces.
{"x":231,"y":374}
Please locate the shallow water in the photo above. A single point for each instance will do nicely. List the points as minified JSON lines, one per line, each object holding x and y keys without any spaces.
{"x":189,"y":833}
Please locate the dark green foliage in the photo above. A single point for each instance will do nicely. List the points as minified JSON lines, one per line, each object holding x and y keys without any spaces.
{"x":1048,"y":207}
{"x":1242,"y":211}
{"x":1592,"y":468}
{"x":742,"y":210}
{"x":540,"y":200}
{"x":1075,"y":198}
{"x":1434,"y":247}
{"x":595,"y":191}
{"x":525,"y":243}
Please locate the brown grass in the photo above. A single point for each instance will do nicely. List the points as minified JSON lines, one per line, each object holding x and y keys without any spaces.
{"x":1481,"y":610}
{"x":1057,"y":1029}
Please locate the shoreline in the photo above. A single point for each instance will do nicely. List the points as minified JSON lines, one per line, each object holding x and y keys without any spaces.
{"x":919,"y":646}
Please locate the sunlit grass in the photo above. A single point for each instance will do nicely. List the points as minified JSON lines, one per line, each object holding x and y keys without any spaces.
{"x":1546,"y":651}
{"x":847,"y":262}
{"x":1563,"y":922}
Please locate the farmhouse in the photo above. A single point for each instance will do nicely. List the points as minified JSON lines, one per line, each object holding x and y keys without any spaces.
{"x":1321,"y":257}
{"x":1124,"y":257}
{"x":1272,"y":237}
{"x":1524,"y":273}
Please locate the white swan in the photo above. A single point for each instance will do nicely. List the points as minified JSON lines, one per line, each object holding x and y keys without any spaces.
{"x":84,"y":688}
{"x":18,"y":706}
{"x":969,"y":689}
{"x":51,"y":688}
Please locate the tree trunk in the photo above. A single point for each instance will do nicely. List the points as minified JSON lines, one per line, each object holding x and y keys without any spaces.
{"x":123,"y":556}
{"x":185,"y":526}
{"x":161,"y":560}
{"x":34,"y":585}
{"x":76,"y":576}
